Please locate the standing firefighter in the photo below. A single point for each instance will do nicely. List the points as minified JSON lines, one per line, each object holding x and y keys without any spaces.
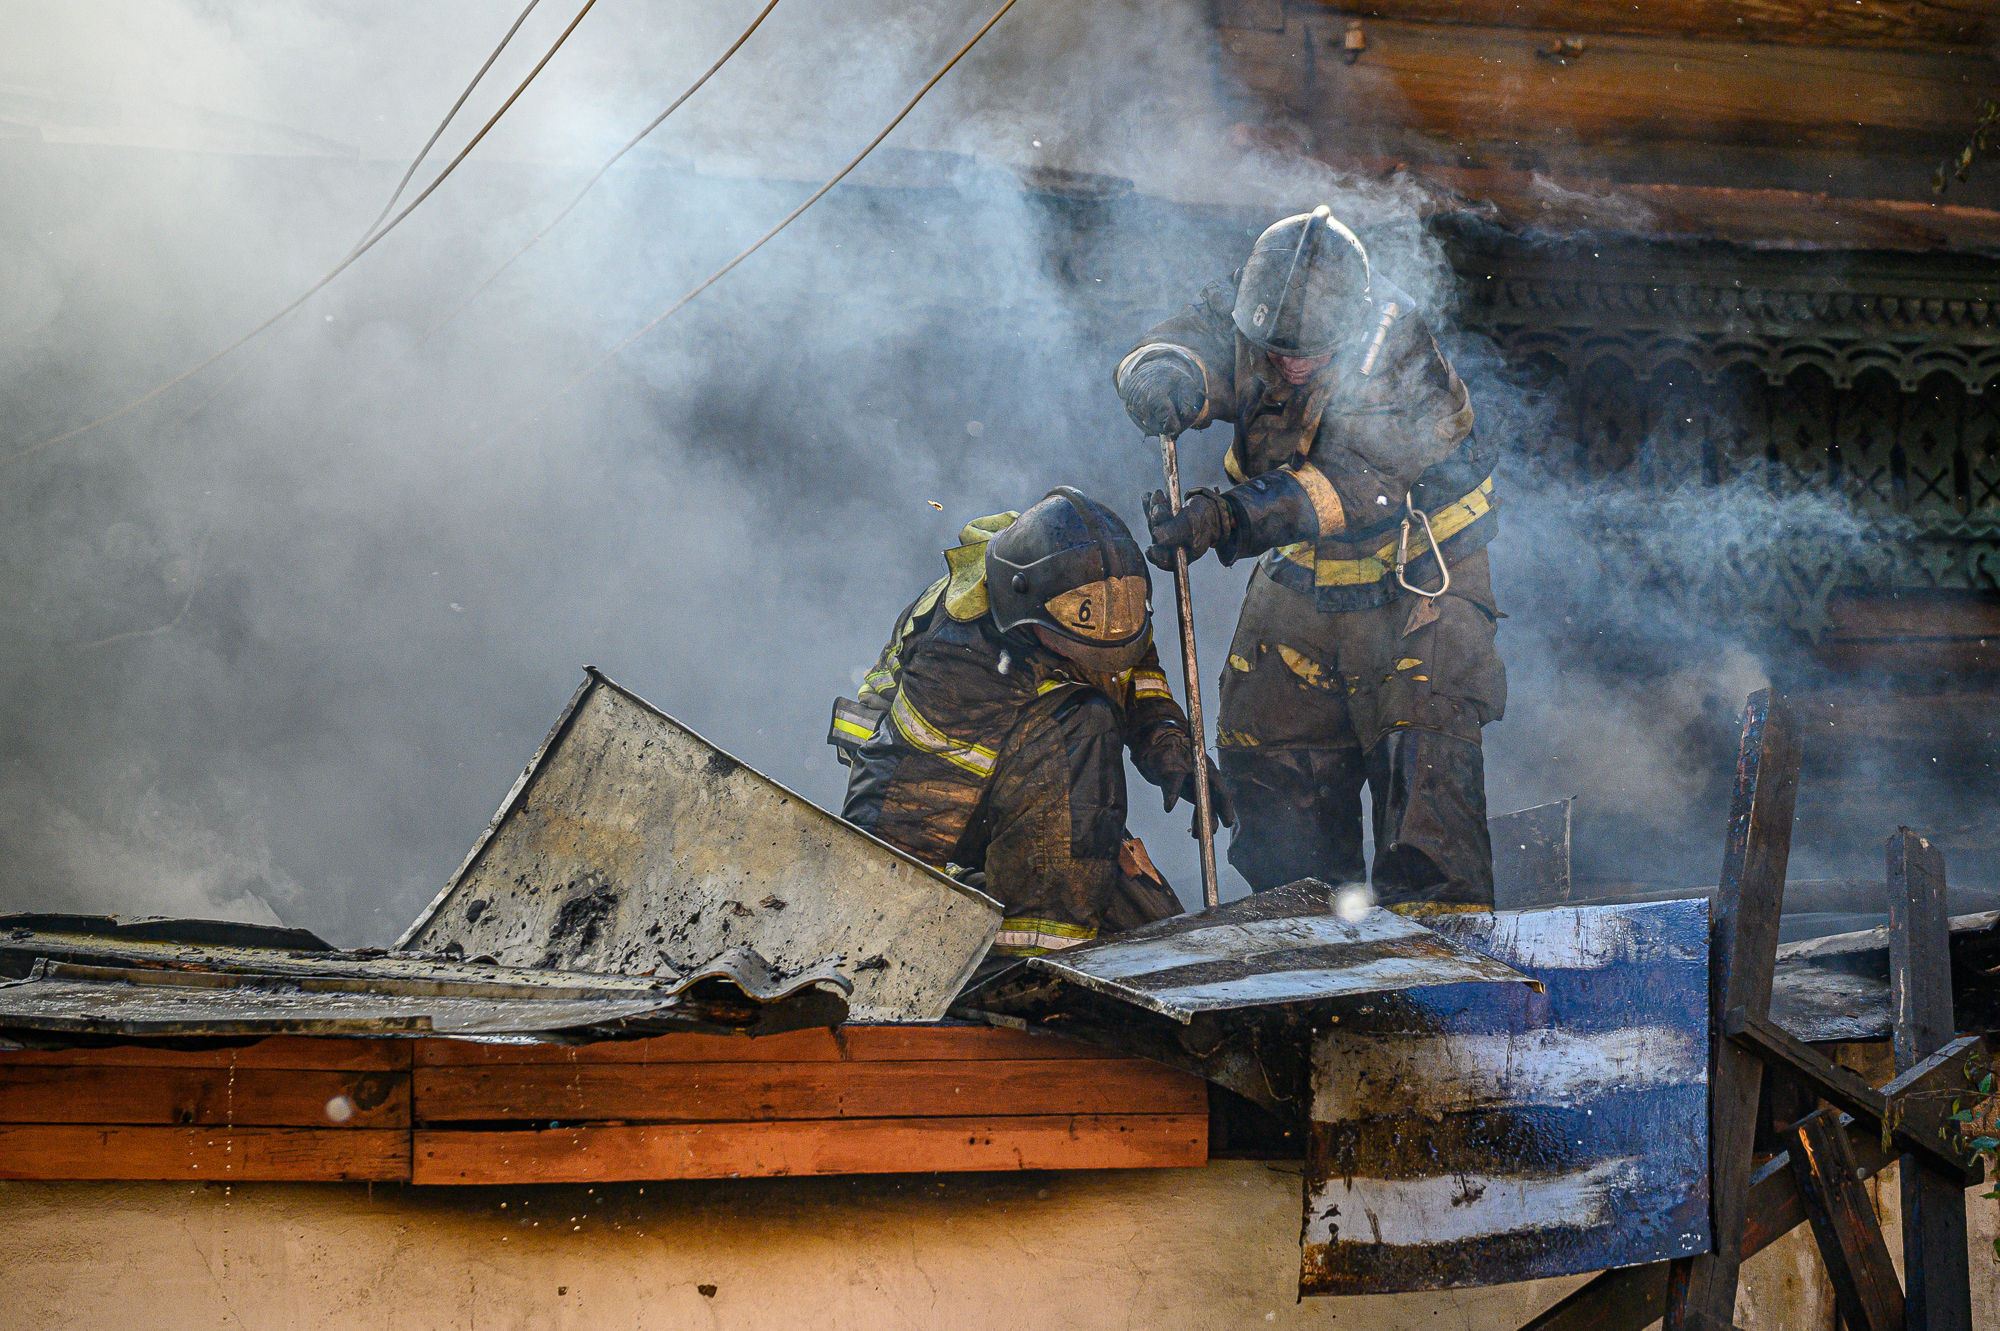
{"x":992,"y":730}
{"x":1365,"y":649}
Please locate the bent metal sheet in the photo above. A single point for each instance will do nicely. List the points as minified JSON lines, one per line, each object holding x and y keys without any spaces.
{"x":1487,"y":1133}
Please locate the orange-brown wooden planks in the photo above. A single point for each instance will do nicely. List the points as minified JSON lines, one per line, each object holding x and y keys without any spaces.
{"x":71,"y":1151}
{"x":854,"y":1100}
{"x":697,"y":1092}
{"x":1460,"y":82}
{"x":1910,"y":25}
{"x":860,"y":1146}
{"x":243,"y":1096}
{"x":841,"y":1044}
{"x":277,"y":1051}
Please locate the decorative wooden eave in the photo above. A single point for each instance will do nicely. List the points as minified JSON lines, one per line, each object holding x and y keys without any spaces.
{"x":1536,"y":203}
{"x":1709,"y":305}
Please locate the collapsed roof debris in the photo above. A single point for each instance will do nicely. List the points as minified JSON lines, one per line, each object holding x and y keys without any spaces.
{"x":1490,"y":1133}
{"x":1232,"y":993}
{"x":1837,"y":988}
{"x":82,"y":976}
{"x":631,"y":843}
{"x":1423,"y":1063}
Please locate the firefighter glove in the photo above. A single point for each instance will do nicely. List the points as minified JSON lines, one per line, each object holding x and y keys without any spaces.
{"x":1170,"y":766}
{"x":1162,"y":395}
{"x":1203,"y":523}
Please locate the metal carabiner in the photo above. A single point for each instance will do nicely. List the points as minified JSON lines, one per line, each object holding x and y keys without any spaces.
{"x":1410,"y":510}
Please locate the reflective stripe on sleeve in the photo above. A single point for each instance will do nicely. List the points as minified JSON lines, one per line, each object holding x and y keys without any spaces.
{"x":1027,"y":936}
{"x":921,"y":734}
{"x":1446,"y":522}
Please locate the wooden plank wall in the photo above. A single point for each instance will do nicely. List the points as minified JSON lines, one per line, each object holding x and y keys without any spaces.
{"x":1788,"y":100}
{"x":283,"y":1108}
{"x":864,"y":1099}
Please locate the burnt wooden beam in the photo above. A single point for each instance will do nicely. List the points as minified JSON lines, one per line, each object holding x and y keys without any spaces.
{"x":1844,"y":1222}
{"x":1462,"y":85}
{"x":1916,"y":1105}
{"x":1920,"y":994}
{"x":1743,"y":925}
{"x":1904,"y":25}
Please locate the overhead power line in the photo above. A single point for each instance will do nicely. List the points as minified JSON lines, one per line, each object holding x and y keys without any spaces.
{"x":790,"y":217}
{"x":657,"y":121}
{"x":366,"y":244}
{"x":438,"y":133}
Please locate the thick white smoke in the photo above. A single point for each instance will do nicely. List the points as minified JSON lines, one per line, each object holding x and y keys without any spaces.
{"x":281,"y":641}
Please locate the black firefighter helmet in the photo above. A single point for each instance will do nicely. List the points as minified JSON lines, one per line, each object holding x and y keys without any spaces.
{"x":1069,"y":568}
{"x":1305,"y":286}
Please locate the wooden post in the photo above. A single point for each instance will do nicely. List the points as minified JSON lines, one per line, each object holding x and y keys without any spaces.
{"x":1843,"y":1220}
{"x":1934,"y":1239}
{"x":1743,"y":944}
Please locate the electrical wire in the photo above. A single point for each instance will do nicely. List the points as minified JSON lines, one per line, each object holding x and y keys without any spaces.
{"x":657,"y":121}
{"x":369,"y":243}
{"x":438,"y":133}
{"x":791,"y":217}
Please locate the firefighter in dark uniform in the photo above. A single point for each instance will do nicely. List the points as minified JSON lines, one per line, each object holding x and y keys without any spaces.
{"x":1365,"y":649}
{"x":990,"y":736}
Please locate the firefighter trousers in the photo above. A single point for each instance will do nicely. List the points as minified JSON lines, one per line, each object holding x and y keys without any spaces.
{"x":1316,"y":706}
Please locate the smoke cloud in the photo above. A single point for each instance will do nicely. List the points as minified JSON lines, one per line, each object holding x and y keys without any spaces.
{"x":277,"y":644}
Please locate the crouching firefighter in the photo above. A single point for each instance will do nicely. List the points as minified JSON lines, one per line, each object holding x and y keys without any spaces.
{"x":1365,"y":649}
{"x":990,"y":736}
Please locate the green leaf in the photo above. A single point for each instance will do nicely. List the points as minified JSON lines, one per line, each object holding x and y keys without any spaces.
{"x":1986,"y":1143}
{"x":1986,"y":1084}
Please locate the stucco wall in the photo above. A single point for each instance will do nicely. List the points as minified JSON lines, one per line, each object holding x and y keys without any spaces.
{"x":1194,"y":1248}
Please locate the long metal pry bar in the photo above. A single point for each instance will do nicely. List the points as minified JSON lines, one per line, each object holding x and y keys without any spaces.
{"x":1211,"y":893}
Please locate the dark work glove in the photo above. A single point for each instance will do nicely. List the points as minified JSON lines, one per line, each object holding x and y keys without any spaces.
{"x":1162,"y":395}
{"x":1203,"y":522}
{"x":1169,"y":764}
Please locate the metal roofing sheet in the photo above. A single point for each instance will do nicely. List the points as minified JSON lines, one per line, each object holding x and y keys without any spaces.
{"x":100,"y":1000}
{"x":1284,"y":946}
{"x":631,"y":843}
{"x":106,"y":983}
{"x":1486,"y":1135}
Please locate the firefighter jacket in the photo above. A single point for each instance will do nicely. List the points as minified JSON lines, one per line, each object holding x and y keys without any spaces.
{"x":1325,"y":468}
{"x":975,"y":721}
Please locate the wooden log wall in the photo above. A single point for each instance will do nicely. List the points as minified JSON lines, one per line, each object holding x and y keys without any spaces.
{"x":856,"y":1100}
{"x":1643,"y":98}
{"x":1898,"y":25}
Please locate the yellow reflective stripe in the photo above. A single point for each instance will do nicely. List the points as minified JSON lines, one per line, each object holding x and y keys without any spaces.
{"x":1028,"y":936}
{"x":846,"y":727}
{"x":927,"y":737}
{"x":1327,"y":510}
{"x":1151,"y":684}
{"x":1232,"y":467}
{"x":1447,"y":522}
{"x":1051,"y":685}
{"x":1307,"y":669}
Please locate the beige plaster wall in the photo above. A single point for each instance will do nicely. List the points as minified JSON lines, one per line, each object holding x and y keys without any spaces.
{"x":1196,"y":1248}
